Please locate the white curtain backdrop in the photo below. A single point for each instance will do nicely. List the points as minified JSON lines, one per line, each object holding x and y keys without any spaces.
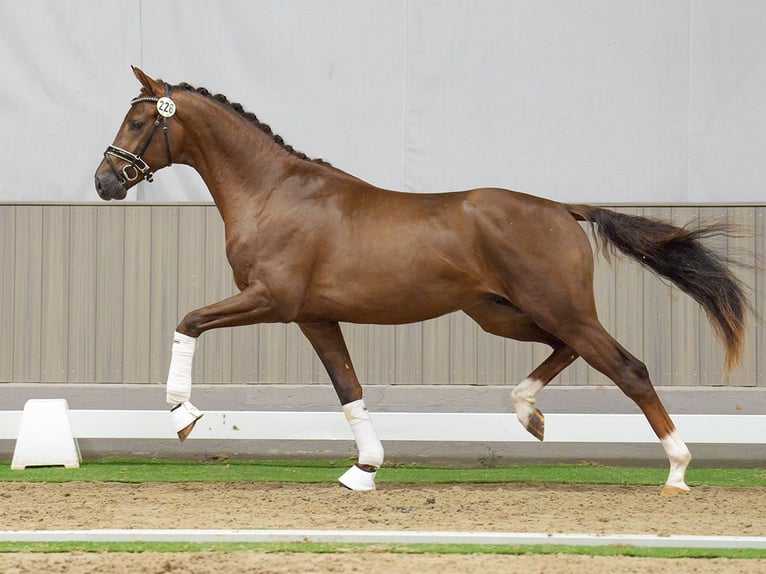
{"x":576,"y":100}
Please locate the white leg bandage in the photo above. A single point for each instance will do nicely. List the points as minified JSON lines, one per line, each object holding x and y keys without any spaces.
{"x":679,"y":457}
{"x":523,"y":399}
{"x":180,"y":375}
{"x":370,"y":448}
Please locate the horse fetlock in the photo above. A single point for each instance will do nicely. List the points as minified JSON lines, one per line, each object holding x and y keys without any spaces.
{"x":523,"y":397}
{"x":358,"y":478}
{"x":679,"y":458}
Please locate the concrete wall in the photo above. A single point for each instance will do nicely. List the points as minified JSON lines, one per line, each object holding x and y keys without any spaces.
{"x":585,"y":100}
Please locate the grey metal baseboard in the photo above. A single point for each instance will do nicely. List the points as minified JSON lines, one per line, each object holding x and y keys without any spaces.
{"x":391,"y":398}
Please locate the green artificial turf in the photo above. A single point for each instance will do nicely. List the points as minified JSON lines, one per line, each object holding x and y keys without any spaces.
{"x":160,"y":470}
{"x":327,"y":548}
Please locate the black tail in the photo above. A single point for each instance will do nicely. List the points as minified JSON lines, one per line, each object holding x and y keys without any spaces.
{"x":677,"y":254}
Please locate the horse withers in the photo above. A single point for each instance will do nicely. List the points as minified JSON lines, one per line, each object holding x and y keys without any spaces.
{"x":313,"y":245}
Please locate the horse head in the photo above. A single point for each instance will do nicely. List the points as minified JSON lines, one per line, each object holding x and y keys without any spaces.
{"x":139,"y":149}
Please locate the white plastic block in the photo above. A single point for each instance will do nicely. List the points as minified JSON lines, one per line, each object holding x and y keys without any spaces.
{"x":45,"y":436}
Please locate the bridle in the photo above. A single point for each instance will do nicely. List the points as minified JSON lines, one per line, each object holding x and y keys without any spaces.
{"x":136,"y":165}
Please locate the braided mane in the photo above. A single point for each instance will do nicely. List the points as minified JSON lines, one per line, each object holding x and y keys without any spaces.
{"x":252,"y":118}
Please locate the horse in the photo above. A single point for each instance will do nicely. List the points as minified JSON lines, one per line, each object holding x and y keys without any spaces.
{"x":311,"y":244}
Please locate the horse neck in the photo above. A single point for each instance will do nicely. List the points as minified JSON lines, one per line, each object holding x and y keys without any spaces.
{"x":237,"y":161}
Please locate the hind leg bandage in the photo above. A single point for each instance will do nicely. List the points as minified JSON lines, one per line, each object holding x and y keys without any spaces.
{"x":180,"y":374}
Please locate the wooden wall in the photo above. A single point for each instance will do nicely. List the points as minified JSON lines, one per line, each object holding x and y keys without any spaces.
{"x":93,"y":292}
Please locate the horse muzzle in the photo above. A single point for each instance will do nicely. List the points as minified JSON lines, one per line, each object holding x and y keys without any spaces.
{"x":109,"y":187}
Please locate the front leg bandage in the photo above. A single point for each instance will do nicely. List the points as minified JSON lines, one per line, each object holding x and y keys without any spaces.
{"x":180,"y":374}
{"x":370,"y":448}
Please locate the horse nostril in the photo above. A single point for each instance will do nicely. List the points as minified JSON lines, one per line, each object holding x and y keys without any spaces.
{"x":100,"y":189}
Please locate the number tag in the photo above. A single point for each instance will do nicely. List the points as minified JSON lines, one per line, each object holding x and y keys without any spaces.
{"x":166,"y":107}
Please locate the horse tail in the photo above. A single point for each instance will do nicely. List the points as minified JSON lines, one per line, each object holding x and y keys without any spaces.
{"x":677,"y":254}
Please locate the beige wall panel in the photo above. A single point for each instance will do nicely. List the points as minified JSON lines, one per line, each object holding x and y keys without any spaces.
{"x":110,"y":288}
{"x":739,"y":247}
{"x":521,"y":359}
{"x":357,"y":340}
{"x":272,"y":345}
{"x":490,"y":358}
{"x":137,"y":292}
{"x":215,"y":346}
{"x":82,"y":294}
{"x":7,"y":289}
{"x":56,"y":273}
{"x":28,"y":294}
{"x":95,"y":292}
{"x":244,"y":353}
{"x":759,"y":297}
{"x":164,"y":303}
{"x":463,"y":349}
{"x":381,"y":354}
{"x":299,"y":357}
{"x":409,"y":353}
{"x":436,"y":351}
{"x":192,"y":244}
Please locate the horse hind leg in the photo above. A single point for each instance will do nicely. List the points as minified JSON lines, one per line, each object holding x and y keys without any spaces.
{"x":506,"y":321}
{"x":605,"y":354}
{"x":523,"y":394}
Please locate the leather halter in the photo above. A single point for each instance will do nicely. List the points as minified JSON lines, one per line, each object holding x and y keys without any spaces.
{"x":135,"y":162}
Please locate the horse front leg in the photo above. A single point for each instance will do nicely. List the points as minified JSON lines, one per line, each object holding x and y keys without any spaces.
{"x":178,"y":390}
{"x":327,"y":340}
{"x":252,"y":305}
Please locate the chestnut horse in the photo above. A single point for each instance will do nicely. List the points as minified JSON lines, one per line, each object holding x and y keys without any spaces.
{"x":313,"y":245}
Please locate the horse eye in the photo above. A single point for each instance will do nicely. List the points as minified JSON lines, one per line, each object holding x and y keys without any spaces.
{"x":136,"y":125}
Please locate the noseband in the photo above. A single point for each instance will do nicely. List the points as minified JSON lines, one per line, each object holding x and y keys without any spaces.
{"x":136,"y":165}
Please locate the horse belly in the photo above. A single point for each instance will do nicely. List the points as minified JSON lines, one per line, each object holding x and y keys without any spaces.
{"x":394,"y":293}
{"x":379,"y":311}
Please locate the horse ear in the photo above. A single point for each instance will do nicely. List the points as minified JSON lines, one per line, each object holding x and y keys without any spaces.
{"x":151,"y":85}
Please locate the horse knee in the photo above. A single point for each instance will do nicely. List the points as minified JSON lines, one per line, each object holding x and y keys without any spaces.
{"x":191,"y":324}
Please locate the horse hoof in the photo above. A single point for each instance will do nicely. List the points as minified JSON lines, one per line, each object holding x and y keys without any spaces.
{"x":536,"y":425}
{"x":670,"y":490}
{"x":356,"y":478}
{"x":185,"y":432}
{"x":185,"y":416}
